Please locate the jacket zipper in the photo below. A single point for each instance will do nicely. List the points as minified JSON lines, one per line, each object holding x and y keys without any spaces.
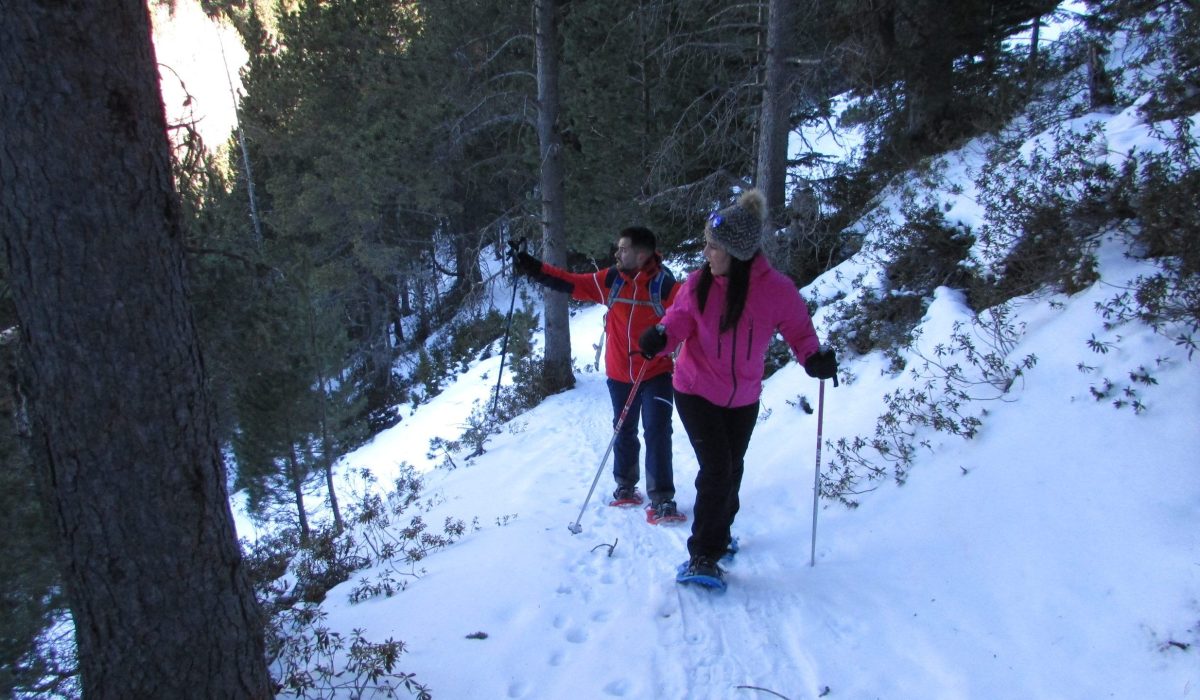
{"x":733,"y":367}
{"x":629,"y":323}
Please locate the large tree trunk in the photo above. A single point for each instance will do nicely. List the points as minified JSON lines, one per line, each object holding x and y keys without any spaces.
{"x":160,"y":598}
{"x":557,"y":371}
{"x":777,"y":101}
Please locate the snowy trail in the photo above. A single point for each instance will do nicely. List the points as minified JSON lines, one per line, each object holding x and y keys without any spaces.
{"x":1049,"y":558}
{"x":679,"y":642}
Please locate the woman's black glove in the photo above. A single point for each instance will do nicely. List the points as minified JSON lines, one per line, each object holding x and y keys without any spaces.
{"x":652,"y":341}
{"x":822,"y":364}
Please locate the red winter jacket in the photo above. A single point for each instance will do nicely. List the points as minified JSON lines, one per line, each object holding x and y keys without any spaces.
{"x":727,"y":368}
{"x":631,"y":313}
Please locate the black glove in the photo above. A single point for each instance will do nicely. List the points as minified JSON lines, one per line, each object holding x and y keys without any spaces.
{"x":822,"y":364}
{"x":523,"y":263}
{"x":516,"y":250}
{"x":652,"y":341}
{"x":526,"y":264}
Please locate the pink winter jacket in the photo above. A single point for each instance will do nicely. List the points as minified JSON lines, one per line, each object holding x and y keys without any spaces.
{"x":727,"y":368}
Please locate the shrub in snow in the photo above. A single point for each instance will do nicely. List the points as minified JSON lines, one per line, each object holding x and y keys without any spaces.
{"x":311,"y":661}
{"x":918,"y":251}
{"x":1167,"y":230}
{"x":1046,"y":205}
{"x":973,"y":367}
{"x":385,"y":533}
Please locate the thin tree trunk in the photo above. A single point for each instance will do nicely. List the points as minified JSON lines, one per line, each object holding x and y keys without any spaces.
{"x":327,"y":465}
{"x":326,"y":441}
{"x":778,"y":99}
{"x":327,"y":454}
{"x":1100,"y":87}
{"x":296,"y":483}
{"x":1034,"y":40}
{"x":327,"y":457}
{"x":127,"y":438}
{"x":557,"y":370}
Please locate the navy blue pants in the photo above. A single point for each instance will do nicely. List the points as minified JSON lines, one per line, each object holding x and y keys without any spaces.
{"x":653,"y":403}
{"x":720,"y":436}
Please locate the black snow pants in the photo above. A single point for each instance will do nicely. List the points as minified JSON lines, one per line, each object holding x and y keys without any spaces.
{"x":720,"y":437}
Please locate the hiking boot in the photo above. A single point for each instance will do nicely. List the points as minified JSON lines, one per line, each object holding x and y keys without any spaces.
{"x":665,"y":509}
{"x":626,"y":495}
{"x":704,"y":566}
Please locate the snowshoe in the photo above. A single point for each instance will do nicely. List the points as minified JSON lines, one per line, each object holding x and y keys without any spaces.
{"x":701,"y":571}
{"x":664,"y":512}
{"x":730,"y":550}
{"x":626,"y":496}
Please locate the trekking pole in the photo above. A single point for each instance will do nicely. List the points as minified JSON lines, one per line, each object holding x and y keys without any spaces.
{"x":575,"y":527}
{"x":517,"y":246}
{"x":812,"y":554}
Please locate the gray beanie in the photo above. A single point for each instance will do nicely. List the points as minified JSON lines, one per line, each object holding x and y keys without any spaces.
{"x":738,"y":229}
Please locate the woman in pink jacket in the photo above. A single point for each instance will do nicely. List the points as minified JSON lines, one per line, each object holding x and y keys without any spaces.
{"x":725,"y":315}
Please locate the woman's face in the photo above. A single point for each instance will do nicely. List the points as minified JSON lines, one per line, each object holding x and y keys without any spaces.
{"x":718,"y":259}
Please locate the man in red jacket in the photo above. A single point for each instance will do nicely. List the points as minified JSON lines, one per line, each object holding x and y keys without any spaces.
{"x":637,"y":291}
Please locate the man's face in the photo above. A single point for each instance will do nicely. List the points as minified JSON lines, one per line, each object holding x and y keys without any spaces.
{"x":630,"y":259}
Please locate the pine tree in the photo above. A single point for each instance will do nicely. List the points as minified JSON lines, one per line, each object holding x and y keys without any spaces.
{"x":91,"y":222}
{"x":557,"y":368}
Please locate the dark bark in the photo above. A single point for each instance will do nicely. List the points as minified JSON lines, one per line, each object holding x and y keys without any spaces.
{"x":93,"y":235}
{"x":929,"y":64}
{"x":1035,"y":35}
{"x":466,"y":274}
{"x":326,"y":438}
{"x":777,"y":101}
{"x":295,"y":476}
{"x":1100,"y":88}
{"x":557,"y":370}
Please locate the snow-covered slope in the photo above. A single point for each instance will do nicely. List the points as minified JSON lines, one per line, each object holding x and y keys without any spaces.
{"x":1055,"y":556}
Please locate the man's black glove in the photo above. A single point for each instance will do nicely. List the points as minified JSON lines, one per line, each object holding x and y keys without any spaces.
{"x":822,"y":364}
{"x":527,"y":265}
{"x":652,"y":341}
{"x":523,"y":262}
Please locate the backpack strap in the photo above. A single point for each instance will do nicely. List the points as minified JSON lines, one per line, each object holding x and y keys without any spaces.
{"x":614,"y":281}
{"x":660,"y":288}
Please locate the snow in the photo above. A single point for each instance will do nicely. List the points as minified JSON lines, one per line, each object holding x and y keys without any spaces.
{"x":198,"y":58}
{"x":1056,"y":555}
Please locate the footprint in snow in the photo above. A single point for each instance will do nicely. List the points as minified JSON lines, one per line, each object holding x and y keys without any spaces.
{"x":619,"y":688}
